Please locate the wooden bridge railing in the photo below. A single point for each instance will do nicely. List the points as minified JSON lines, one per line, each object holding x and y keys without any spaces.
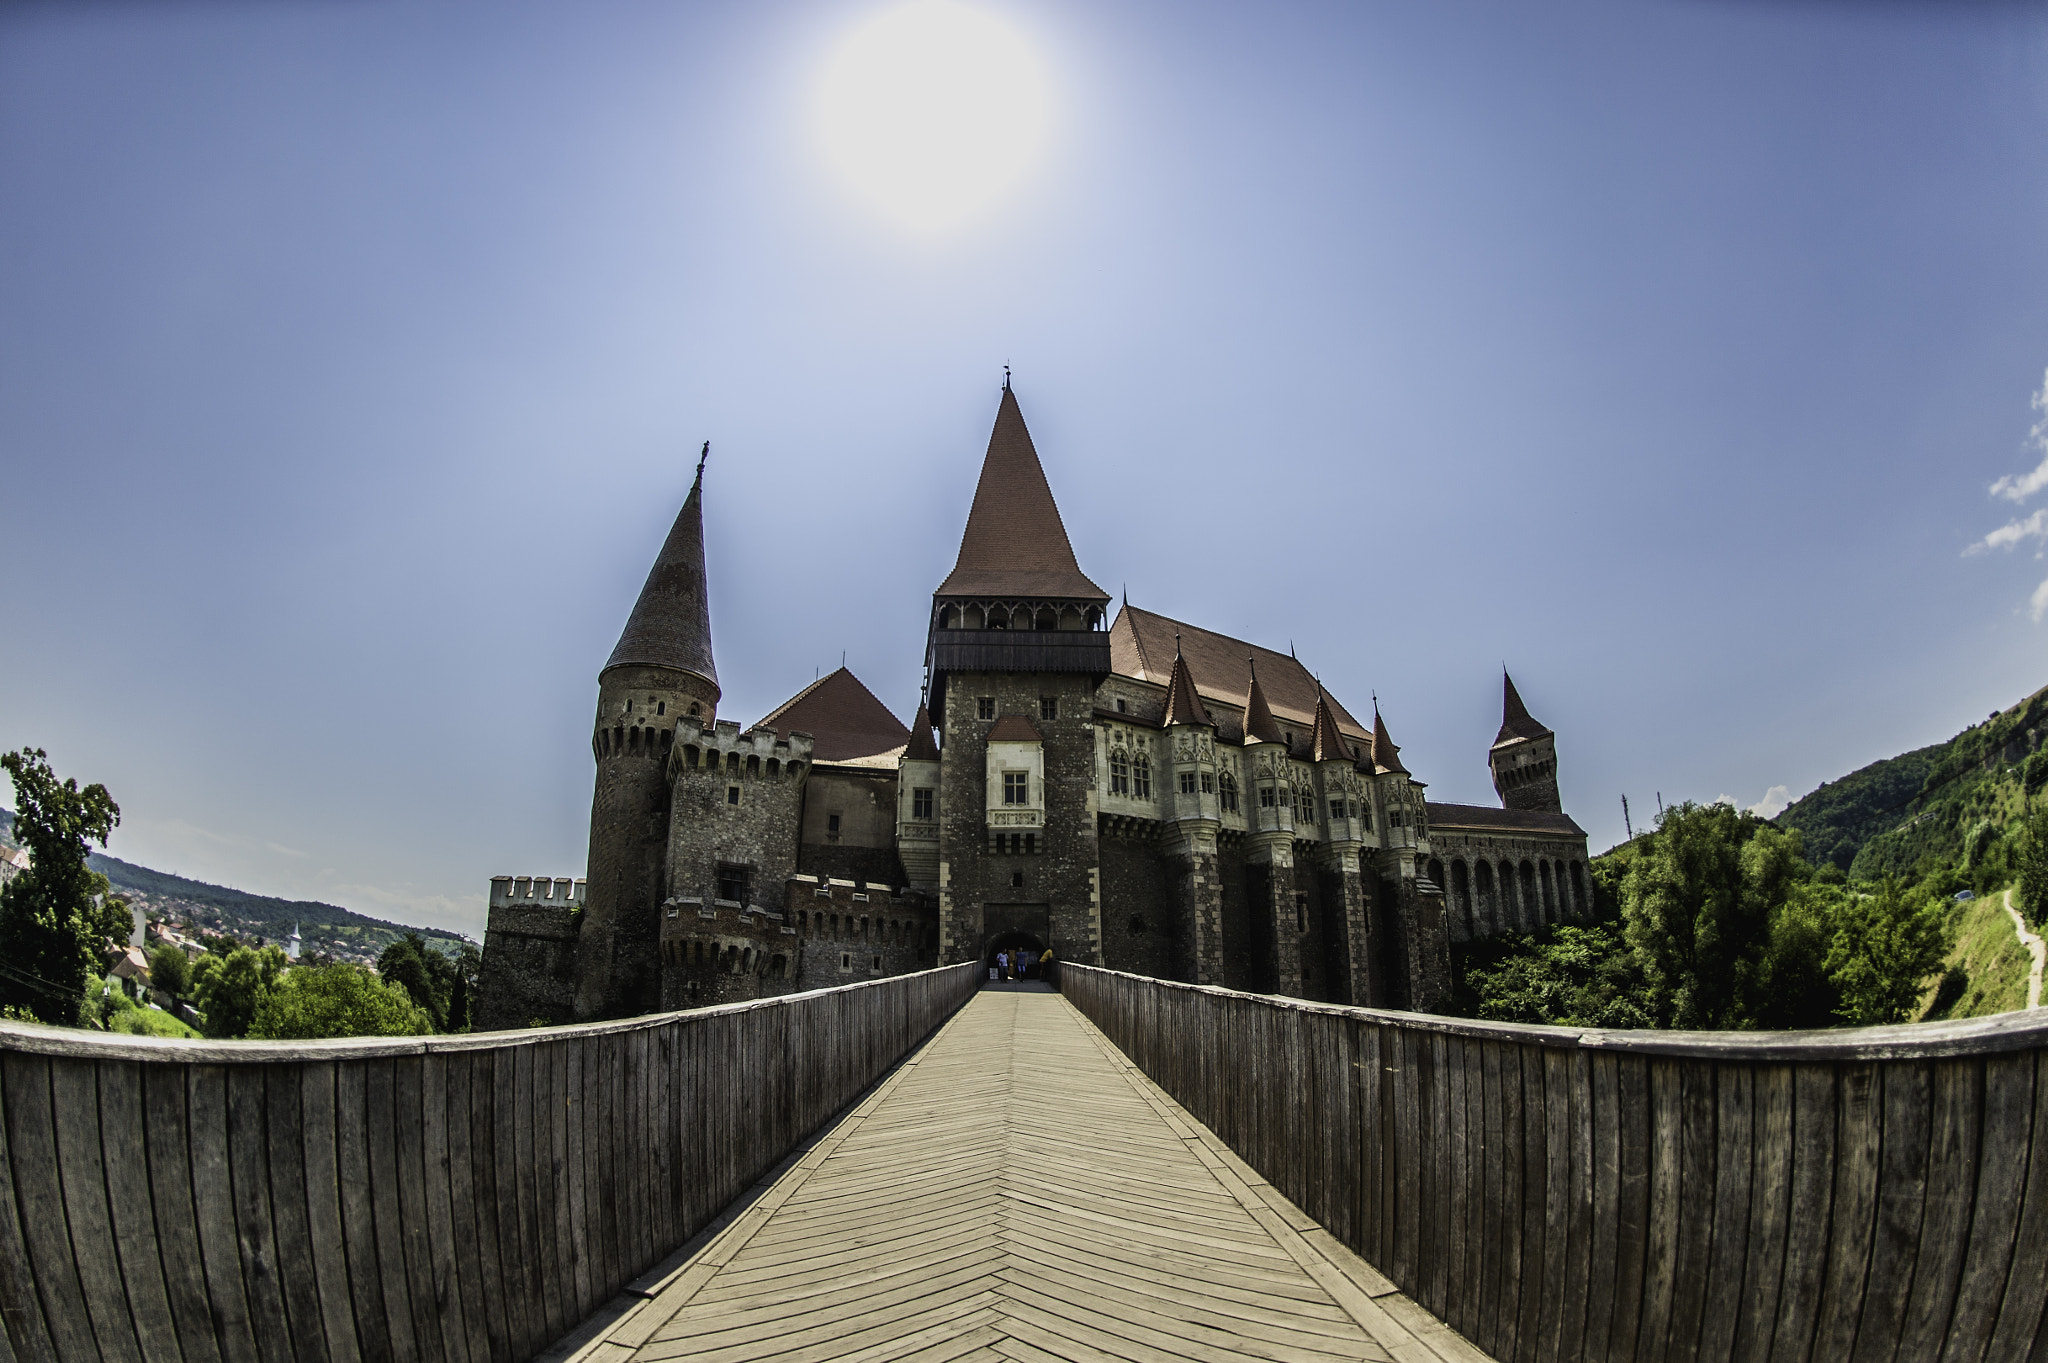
{"x":1555,"y":1193}
{"x":463,"y":1197}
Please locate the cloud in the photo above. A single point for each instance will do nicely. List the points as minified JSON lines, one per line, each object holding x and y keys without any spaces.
{"x":2013,"y":532}
{"x":2038,"y":603}
{"x":1773,"y":804}
{"x":2019,"y":487}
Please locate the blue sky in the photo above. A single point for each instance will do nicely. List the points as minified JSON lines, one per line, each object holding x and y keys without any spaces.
{"x":354,"y":357}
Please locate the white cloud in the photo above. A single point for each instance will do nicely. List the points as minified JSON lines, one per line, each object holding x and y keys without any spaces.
{"x":2019,"y":487}
{"x":2038,"y":603}
{"x":2013,"y":532}
{"x":1773,"y":804}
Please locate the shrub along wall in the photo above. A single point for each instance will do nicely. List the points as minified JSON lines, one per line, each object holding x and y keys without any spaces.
{"x":1555,"y":1193}
{"x":463,"y":1197}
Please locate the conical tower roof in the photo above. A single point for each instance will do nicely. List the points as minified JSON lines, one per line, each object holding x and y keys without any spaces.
{"x":671,"y":622}
{"x":844,"y":719}
{"x":921,"y":748}
{"x":1015,"y":543}
{"x":1385,"y":756}
{"x":1326,"y":744}
{"x":1515,"y":719}
{"x":1183,"y":705}
{"x":1258,"y":716}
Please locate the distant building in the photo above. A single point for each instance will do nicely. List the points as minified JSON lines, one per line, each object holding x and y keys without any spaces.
{"x":1140,"y":793}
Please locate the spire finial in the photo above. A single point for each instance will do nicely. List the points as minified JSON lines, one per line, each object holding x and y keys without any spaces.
{"x":1176,"y":643}
{"x":1251,"y":665}
{"x":1006,"y":378}
{"x":702,"y":455}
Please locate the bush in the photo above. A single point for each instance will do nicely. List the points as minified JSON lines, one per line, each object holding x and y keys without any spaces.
{"x":150,"y":1022}
{"x":337,"y":1000}
{"x":171,"y":970}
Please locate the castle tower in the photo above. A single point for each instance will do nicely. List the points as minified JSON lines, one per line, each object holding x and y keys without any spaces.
{"x":1410,"y":907}
{"x":917,"y":803}
{"x":1016,"y":651}
{"x":660,"y":672}
{"x":1343,"y":804}
{"x":1523,"y":757}
{"x":1269,"y":843}
{"x":1190,"y":833}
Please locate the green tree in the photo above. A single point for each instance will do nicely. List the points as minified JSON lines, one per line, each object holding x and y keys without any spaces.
{"x":1796,"y":992}
{"x":1565,"y":976}
{"x":170,"y":970}
{"x":337,"y":1000}
{"x":1886,"y":945}
{"x":55,"y":916}
{"x":1696,"y":911}
{"x":231,"y":988}
{"x":2033,"y":864}
{"x":433,"y":981}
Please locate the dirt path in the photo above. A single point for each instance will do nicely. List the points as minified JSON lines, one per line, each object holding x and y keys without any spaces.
{"x":2032,"y":942}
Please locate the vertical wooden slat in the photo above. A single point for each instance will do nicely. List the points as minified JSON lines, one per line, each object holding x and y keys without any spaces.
{"x":1667,"y":1129}
{"x":562,"y":1260}
{"x":536,"y":1073}
{"x":213,"y":1196}
{"x":578,"y":1124}
{"x":125,"y":1161}
{"x":1901,"y":1205}
{"x":2000,"y":1195}
{"x":483,"y":1173}
{"x":474,"y":1288}
{"x":358,"y":1211}
{"x":1494,"y":1283}
{"x":380,"y":1129}
{"x":1951,"y":1189}
{"x":1860,"y":1123}
{"x":79,"y":1173}
{"x":1734,"y":1095}
{"x":286,"y":1161}
{"x":1605,"y":1254}
{"x":1557,"y":1209}
{"x":521,"y":1337}
{"x":20,"y":1305}
{"x":438,"y":1207}
{"x":317,"y":1126}
{"x":2026,"y":1287}
{"x":1578,"y":1146}
{"x":408,"y":1115}
{"x":249,"y":1171}
{"x":1457,"y":1248}
{"x":1770,"y":1197}
{"x":1535,"y":1287}
{"x":1513,"y":1203}
{"x":31,"y":1138}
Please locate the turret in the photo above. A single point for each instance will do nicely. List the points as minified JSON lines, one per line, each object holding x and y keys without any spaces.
{"x":660,"y":672}
{"x":917,"y":803}
{"x":1523,"y":757}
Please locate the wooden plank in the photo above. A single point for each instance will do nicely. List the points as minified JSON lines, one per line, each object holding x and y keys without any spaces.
{"x":124,"y":1157}
{"x":1604,"y":1257}
{"x":522,"y":1337}
{"x":1770,"y":1197}
{"x":380,"y":1129}
{"x":1734,"y":1163}
{"x":285,"y":1160}
{"x":1661,"y":1232}
{"x":248,"y":1152}
{"x":1632,"y":1222}
{"x":1857,"y":1149}
{"x":439,"y":1206}
{"x":20,"y":1306}
{"x":2026,"y":1288}
{"x":1495,"y":1286}
{"x":1458,"y":1248}
{"x":483,"y":1170}
{"x":80,"y":1174}
{"x":1536,"y":1285}
{"x":2008,"y":1124}
{"x":1513,"y":1205}
{"x":573,"y":1167}
{"x":32,"y":1144}
{"x":317,"y":1128}
{"x":1557,"y":1163}
{"x":537,"y":1072}
{"x":1809,"y":1222}
{"x":1578,"y":1148}
{"x":358,"y":1211}
{"x":408,"y":1124}
{"x":1900,"y":1207}
{"x":1951,"y":1192}
{"x":213,"y":1195}
{"x":469,"y":1274}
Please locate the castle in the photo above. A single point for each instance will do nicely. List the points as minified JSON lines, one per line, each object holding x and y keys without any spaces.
{"x":1135,"y":792}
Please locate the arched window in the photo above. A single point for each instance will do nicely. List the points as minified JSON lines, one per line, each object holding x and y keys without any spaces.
{"x":1226,"y":789}
{"x":946,"y":617}
{"x":774,"y":768}
{"x":1510,"y":906}
{"x":1482,"y":892}
{"x":732,"y":764}
{"x":1094,"y":617}
{"x":1119,"y":772}
{"x":1578,"y":888}
{"x":1549,"y":891}
{"x":1047,"y":619}
{"x":1141,"y":777}
{"x":1461,"y":898}
{"x":1525,"y":892}
{"x":973,"y":618}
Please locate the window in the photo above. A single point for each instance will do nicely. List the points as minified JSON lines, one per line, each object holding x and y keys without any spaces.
{"x":661,"y":707}
{"x":1208,"y":783}
{"x":1120,"y":706}
{"x":1048,"y":707}
{"x":1016,"y":785}
{"x":920,"y":804}
{"x":1016,"y":880}
{"x":1187,"y":783}
{"x":1265,"y":797}
{"x":1141,"y":777}
{"x":735,"y":882}
{"x":1227,"y":785}
{"x":732,"y":795}
{"x":832,"y":824}
{"x":1336,"y":809}
{"x":1393,"y":818}
{"x":985,"y":707}
{"x":695,"y":708}
{"x":1301,"y":913}
{"x":1030,"y":844}
{"x":1119,"y":772}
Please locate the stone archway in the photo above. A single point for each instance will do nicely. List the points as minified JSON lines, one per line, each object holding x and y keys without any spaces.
{"x":1013,"y":940}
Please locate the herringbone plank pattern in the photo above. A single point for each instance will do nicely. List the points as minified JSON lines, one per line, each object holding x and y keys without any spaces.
{"x":1013,"y":1193}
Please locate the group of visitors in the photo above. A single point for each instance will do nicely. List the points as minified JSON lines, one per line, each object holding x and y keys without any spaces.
{"x":1018,"y":963}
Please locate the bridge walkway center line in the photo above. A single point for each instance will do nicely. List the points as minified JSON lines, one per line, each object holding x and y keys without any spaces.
{"x":1018,"y":1191}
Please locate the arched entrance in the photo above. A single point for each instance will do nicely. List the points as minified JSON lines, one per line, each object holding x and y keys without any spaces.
{"x":1014,"y":941}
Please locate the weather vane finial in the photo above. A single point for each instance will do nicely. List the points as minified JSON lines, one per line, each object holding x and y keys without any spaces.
{"x":1006,"y":378}
{"x":702,"y":455}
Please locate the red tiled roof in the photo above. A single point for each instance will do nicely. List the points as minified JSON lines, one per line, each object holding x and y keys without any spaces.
{"x":1258,"y":716}
{"x":1485,"y":818}
{"x":1015,"y":729}
{"x":922,"y":748}
{"x":671,"y":621}
{"x":1326,"y":744}
{"x":1015,"y":543}
{"x":843,"y":716}
{"x":1141,"y":645}
{"x":1385,"y":756}
{"x":1183,"y":705}
{"x":1515,"y":719}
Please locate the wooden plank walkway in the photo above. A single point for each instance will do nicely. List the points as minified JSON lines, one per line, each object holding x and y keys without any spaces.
{"x":1018,"y":1191}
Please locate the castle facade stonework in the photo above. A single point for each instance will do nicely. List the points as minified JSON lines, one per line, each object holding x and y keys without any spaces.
{"x":1130,"y":791}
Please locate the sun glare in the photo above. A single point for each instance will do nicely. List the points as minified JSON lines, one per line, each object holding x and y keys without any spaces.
{"x":932,"y":110}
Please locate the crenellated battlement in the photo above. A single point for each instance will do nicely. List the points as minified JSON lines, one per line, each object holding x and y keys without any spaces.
{"x":755,"y":754}
{"x":559,"y":892}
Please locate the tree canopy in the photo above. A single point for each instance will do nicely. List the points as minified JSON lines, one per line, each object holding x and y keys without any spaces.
{"x":337,"y":1000}
{"x":55,"y":916}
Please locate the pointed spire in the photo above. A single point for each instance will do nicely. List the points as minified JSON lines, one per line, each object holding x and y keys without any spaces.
{"x":1183,"y":704}
{"x":671,"y":622}
{"x":1326,"y":744}
{"x":1015,"y":541}
{"x":1515,"y":719}
{"x":1385,"y":756}
{"x":921,"y":748}
{"x":1258,"y":716}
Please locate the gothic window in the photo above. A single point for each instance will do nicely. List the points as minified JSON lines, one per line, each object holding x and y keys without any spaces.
{"x":1336,"y":809}
{"x":1119,"y":772}
{"x":734,"y":882}
{"x":920,"y":803}
{"x":1016,"y":788}
{"x":695,"y":708}
{"x":732,"y":795}
{"x":1141,"y":777}
{"x":661,"y":707}
{"x":985,"y":707}
{"x":1265,"y":797}
{"x":1227,"y":786}
{"x":1048,"y":707}
{"x":1187,"y":783}
{"x":1208,"y":783}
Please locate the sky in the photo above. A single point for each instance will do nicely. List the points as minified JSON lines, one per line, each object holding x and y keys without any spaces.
{"x":1685,"y":356}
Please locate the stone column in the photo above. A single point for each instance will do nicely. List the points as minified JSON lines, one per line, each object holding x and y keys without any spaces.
{"x":1198,"y":936}
{"x":1275,"y":918}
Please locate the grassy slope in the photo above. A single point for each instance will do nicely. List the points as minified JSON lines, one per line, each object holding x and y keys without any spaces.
{"x":1986,"y":971}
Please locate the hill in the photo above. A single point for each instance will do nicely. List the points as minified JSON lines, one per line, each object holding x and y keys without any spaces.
{"x":1952,"y":801}
{"x":325,"y":928}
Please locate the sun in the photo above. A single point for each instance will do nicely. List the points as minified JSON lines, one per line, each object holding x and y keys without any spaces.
{"x":932,"y":110}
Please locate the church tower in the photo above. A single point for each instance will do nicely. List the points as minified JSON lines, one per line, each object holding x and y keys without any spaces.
{"x":1016,"y":650}
{"x":660,"y":672}
{"x":1523,"y":757}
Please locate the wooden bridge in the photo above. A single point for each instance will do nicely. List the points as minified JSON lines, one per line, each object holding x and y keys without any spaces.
{"x":1130,"y":1170}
